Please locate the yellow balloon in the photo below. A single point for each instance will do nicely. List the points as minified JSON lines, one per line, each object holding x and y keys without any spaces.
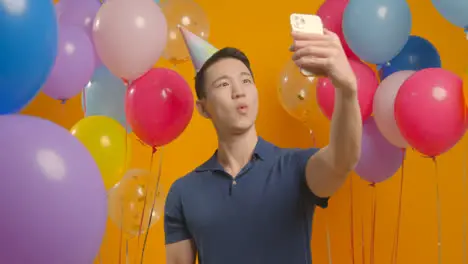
{"x":297,"y":93}
{"x":191,"y":16}
{"x":106,"y":140}
{"x":131,"y":202}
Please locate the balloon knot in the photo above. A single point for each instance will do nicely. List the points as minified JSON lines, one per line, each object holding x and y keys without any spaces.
{"x":154,"y":150}
{"x":372,"y":184}
{"x":63,"y":101}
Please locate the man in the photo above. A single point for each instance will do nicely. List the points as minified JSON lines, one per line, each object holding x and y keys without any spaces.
{"x":253,"y":202}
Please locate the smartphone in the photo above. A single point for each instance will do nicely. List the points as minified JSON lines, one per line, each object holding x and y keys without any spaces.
{"x":307,"y":24}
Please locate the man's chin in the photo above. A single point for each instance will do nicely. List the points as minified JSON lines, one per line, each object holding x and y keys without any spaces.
{"x":242,"y":127}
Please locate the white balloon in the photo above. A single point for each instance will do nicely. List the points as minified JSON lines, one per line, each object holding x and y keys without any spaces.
{"x":384,"y":111}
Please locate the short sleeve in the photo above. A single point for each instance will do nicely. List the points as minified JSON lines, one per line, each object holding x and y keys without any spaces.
{"x":175,"y":227}
{"x":301,"y":157}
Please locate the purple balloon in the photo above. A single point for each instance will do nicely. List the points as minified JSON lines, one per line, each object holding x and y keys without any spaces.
{"x":74,"y":65}
{"x":53,"y":202}
{"x":380,"y":159}
{"x":80,"y":13}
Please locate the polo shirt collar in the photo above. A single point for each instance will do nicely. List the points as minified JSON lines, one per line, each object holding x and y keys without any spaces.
{"x":263,"y":151}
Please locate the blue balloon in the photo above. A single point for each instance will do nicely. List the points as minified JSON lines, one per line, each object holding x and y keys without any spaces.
{"x":455,"y":11}
{"x":28,"y":47}
{"x":417,"y":54}
{"x":376,"y":30}
{"x":105,"y":95}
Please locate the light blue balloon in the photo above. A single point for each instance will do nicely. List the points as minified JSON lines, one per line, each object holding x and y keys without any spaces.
{"x":377,"y":30}
{"x":105,"y":95}
{"x":455,"y":11}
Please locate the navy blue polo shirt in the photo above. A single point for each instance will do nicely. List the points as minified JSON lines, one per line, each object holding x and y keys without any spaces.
{"x":262,"y":216}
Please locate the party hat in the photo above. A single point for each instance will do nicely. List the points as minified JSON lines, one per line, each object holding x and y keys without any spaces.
{"x":200,"y":50}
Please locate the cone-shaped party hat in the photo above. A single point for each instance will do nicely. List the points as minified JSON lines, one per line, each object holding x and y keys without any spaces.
{"x":200,"y":50}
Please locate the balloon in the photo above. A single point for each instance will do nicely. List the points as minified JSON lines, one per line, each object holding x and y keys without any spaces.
{"x":376,"y":30}
{"x":331,"y":13}
{"x":453,"y":10}
{"x":367,"y":85}
{"x":384,"y":107}
{"x":28,"y":48}
{"x":129,"y":36}
{"x":465,"y":86}
{"x":74,"y":65}
{"x":82,"y":14}
{"x":417,"y":54}
{"x":186,"y":13}
{"x":106,"y":140}
{"x":52,"y":199}
{"x":379,"y":159}
{"x":105,"y":95}
{"x":297,"y":94}
{"x":430,"y":111}
{"x":159,"y":106}
{"x":132,"y":199}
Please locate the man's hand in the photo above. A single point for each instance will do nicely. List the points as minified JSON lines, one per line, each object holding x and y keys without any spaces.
{"x":323,"y":55}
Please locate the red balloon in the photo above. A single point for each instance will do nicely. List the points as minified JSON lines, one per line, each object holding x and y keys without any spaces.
{"x":430,"y":111}
{"x":159,"y":106}
{"x":331,"y":13}
{"x":367,"y":84}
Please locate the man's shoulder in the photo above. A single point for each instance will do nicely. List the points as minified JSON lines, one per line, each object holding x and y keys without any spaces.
{"x":187,"y":179}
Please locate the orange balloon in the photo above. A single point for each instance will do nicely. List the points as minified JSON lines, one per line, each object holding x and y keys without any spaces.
{"x":131,"y":202}
{"x":191,"y":16}
{"x":297,"y":94}
{"x":465,"y":85}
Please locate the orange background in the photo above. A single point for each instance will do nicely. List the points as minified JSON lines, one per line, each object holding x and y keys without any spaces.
{"x":261,"y":29}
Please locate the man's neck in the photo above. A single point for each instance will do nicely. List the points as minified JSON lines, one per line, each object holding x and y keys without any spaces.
{"x":235,"y":151}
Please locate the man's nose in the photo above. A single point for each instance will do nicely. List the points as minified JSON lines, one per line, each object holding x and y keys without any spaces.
{"x":238,"y":91}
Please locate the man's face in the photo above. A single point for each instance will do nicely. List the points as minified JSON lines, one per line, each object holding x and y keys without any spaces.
{"x":231,"y":100}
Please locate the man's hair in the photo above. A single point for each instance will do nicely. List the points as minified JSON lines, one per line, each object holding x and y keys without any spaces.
{"x":224,"y":53}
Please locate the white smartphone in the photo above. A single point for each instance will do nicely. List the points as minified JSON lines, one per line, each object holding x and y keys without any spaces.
{"x":307,"y":24}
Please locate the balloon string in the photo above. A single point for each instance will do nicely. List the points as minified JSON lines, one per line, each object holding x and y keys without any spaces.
{"x":352,"y":218}
{"x":314,"y":141}
{"x":363,"y":241}
{"x":439,"y":213}
{"x":121,"y":235}
{"x":400,"y":202}
{"x":374,"y":217}
{"x":146,"y":198}
{"x":127,"y":258}
{"x":465,"y":156}
{"x":84,"y":101}
{"x":328,"y":239}
{"x":156,"y":194}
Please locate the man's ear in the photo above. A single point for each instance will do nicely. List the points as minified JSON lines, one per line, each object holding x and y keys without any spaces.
{"x":202,"y":109}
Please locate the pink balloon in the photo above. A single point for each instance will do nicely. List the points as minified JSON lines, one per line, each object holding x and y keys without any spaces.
{"x":430,"y":111}
{"x":367,"y":85}
{"x":331,"y":13}
{"x":130,"y":36}
{"x":384,"y":107}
